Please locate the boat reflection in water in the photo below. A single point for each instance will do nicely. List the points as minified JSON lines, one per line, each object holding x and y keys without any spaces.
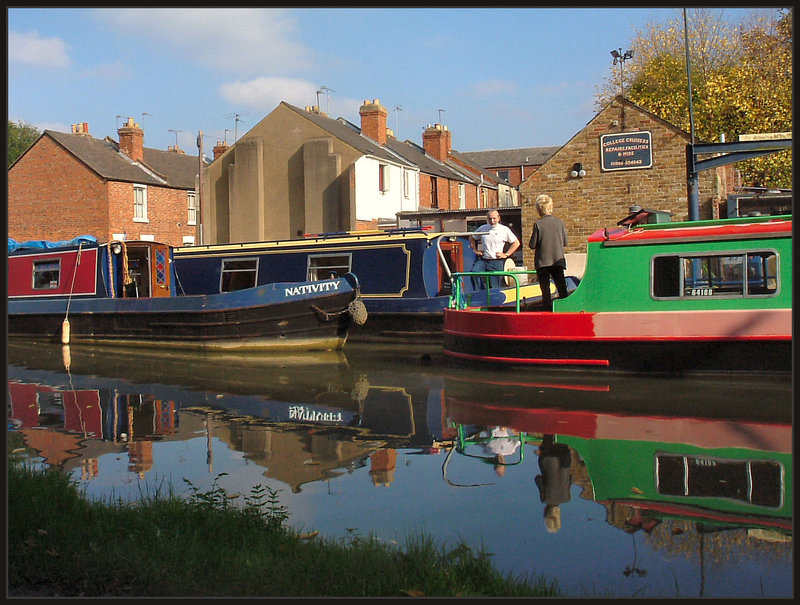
{"x":305,"y":417}
{"x":644,"y":469}
{"x":670,"y":459}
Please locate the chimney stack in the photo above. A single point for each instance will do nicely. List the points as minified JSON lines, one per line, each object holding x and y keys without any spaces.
{"x":131,"y":140}
{"x":373,"y":120}
{"x":220,"y":148}
{"x":436,"y":142}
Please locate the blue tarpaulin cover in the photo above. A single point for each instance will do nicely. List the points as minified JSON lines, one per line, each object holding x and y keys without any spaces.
{"x":41,"y":244}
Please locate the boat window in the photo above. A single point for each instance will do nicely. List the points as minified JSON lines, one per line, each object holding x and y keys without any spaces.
{"x":729,"y":275}
{"x":46,"y":274}
{"x":328,"y":266}
{"x":238,"y":274}
{"x":758,"y":482}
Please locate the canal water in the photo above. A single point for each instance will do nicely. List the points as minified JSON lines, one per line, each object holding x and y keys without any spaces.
{"x":612,"y":486}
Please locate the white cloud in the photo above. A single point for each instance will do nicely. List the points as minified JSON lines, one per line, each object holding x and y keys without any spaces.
{"x":492,"y":88}
{"x":265,"y":94}
{"x":243,"y":41}
{"x":31,"y":49}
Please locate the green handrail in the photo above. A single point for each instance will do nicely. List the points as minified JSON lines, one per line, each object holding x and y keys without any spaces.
{"x":462,"y":441}
{"x":458,"y":297}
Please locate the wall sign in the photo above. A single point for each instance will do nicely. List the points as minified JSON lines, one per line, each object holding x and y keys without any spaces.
{"x":626,"y":151}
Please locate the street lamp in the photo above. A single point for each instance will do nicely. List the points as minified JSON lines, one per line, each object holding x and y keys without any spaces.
{"x":620,"y":57}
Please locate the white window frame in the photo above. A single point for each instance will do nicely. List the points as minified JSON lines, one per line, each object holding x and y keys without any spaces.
{"x":191,"y":198}
{"x":462,"y":196}
{"x":383,"y":178}
{"x":140,"y":207}
{"x":406,"y":183}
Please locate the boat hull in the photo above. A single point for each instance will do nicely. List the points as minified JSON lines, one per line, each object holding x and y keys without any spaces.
{"x":272,"y":317}
{"x":677,"y":342}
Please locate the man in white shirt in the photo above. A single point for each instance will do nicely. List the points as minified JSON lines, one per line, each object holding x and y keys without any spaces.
{"x":494,"y":237}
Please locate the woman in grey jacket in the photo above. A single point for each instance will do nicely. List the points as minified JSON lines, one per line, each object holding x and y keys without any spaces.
{"x":548,"y":240}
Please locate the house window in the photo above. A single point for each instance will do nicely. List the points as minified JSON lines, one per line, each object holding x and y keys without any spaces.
{"x":383,"y":178}
{"x":46,"y":274}
{"x":406,"y":184}
{"x":192,"y":199}
{"x":503,"y":174}
{"x":719,"y":275}
{"x":434,"y":193}
{"x":238,"y":274}
{"x":484,"y":198}
{"x":328,"y":266}
{"x":462,"y":196}
{"x":140,"y":203}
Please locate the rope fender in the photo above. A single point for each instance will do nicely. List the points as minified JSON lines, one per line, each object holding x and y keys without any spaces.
{"x":356,"y":309}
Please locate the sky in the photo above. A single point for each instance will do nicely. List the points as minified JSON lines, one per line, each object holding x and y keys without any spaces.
{"x":503,"y":78}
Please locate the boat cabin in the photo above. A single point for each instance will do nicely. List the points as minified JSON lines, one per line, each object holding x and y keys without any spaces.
{"x":84,"y":268}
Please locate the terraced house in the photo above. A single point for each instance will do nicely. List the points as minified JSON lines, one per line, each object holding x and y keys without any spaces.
{"x":71,"y":184}
{"x":299,"y":171}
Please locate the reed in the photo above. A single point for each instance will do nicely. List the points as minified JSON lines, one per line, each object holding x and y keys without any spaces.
{"x":62,"y":544}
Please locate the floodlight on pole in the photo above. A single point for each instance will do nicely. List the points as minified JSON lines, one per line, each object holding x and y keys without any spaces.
{"x":620,"y":57}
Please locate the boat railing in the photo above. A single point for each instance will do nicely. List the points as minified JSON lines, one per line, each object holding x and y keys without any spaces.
{"x":462,"y":440}
{"x":458,"y":297}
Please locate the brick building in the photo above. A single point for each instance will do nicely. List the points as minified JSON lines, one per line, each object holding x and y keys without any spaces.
{"x":593,"y":186}
{"x":511,"y":165}
{"x":66,"y":185}
{"x":299,"y":171}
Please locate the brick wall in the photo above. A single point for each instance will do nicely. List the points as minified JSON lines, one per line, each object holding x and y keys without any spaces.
{"x":167,"y":214}
{"x":53,"y":197}
{"x":601,"y":199}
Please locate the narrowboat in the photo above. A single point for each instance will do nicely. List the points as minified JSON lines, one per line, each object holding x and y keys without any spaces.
{"x":676,"y":298}
{"x":717,"y":473}
{"x":123,"y":292}
{"x":404,"y":274}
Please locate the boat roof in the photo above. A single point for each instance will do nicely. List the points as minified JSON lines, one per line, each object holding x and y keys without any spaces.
{"x":340,"y":237}
{"x":43,"y":244}
{"x":704,"y":230}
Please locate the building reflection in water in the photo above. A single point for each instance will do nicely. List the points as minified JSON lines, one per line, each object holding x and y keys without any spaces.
{"x":716,"y":467}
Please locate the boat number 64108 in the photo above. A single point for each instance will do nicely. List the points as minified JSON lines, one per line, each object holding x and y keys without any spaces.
{"x":701,"y":292}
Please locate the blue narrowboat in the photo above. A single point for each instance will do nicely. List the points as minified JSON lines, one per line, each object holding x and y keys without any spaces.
{"x":123,"y":292}
{"x":404,"y":274}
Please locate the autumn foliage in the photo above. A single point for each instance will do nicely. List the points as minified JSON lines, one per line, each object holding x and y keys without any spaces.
{"x":741,"y":81}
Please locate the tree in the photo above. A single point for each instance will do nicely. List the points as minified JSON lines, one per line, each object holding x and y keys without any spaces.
{"x":741,"y":81}
{"x":21,"y":135}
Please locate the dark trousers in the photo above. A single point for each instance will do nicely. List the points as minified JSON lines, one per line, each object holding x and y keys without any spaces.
{"x":487,"y":264}
{"x":555,"y":273}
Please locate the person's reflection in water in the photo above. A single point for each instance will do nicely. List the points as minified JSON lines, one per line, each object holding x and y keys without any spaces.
{"x":501,"y":442}
{"x":554,"y":481}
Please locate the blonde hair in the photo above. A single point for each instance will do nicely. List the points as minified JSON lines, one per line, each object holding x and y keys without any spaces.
{"x":552,"y":518}
{"x":544,"y":204}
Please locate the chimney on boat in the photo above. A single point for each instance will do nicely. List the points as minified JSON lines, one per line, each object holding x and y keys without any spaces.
{"x":373,"y":120}
{"x":131,"y":140}
{"x":436,"y":141}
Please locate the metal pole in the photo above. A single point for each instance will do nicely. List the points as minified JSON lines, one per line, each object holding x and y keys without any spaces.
{"x":692,"y":179}
{"x":200,"y":188}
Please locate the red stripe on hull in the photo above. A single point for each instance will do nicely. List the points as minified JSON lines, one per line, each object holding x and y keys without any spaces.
{"x":583,"y":362}
{"x":671,"y":326}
